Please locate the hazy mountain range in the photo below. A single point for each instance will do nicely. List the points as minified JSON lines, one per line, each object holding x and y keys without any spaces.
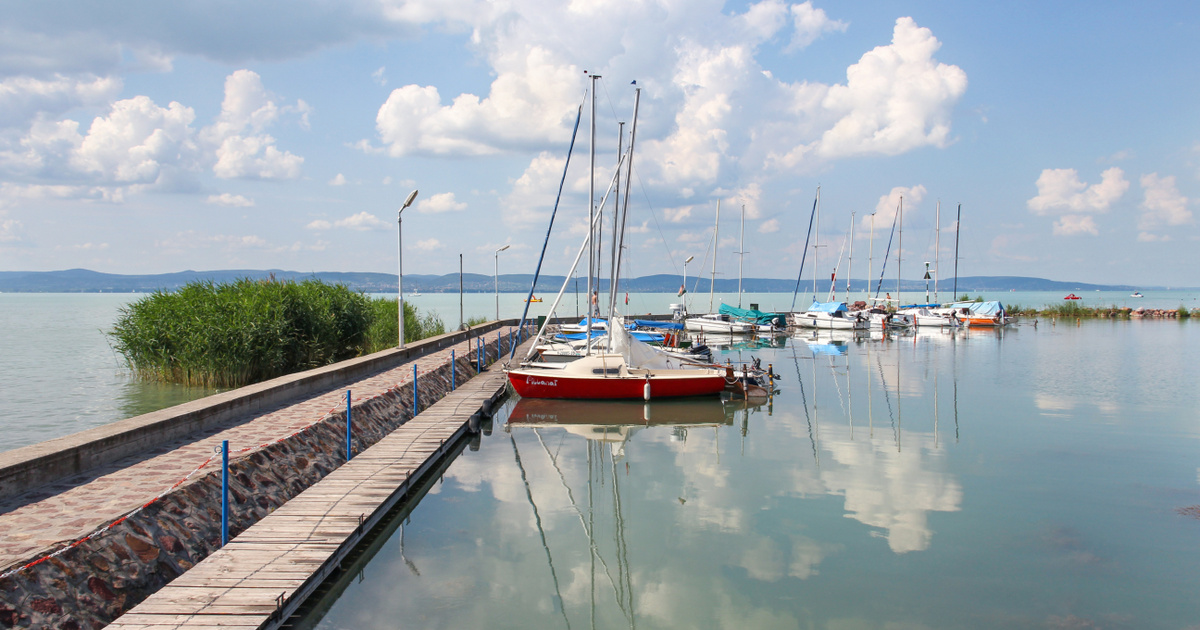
{"x":86,"y":281}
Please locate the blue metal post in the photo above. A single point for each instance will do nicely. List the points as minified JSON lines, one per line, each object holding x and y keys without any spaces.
{"x":224,"y":492}
{"x":414,"y":390}
{"x":349,"y":452}
{"x":499,"y":349}
{"x":453,"y":369}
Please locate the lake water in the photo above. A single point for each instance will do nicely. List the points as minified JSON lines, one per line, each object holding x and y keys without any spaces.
{"x":1034,"y":478}
{"x":58,"y":374}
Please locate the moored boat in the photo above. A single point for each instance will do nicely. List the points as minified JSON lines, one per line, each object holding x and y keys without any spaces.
{"x":828,"y":316}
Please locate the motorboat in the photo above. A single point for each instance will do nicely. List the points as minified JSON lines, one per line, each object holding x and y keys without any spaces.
{"x":977,"y":314}
{"x":829,"y":316}
{"x":534,"y":299}
{"x":1072,"y":296}
{"x":1136,"y":294}
{"x":584,"y":324}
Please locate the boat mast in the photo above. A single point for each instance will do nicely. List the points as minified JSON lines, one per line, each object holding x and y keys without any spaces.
{"x":816,"y":240}
{"x":955,"y":297}
{"x":850,"y":259}
{"x":741,"y":254}
{"x":937,"y":238}
{"x":591,"y":221}
{"x":612,"y":258}
{"x":620,"y":251}
{"x":713,"y":280}
{"x":870,"y":261}
{"x":899,"y":250}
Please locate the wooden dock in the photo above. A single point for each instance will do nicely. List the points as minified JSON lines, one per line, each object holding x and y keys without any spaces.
{"x":263,"y":575}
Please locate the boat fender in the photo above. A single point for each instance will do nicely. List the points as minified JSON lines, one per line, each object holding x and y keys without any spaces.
{"x":646,"y":388}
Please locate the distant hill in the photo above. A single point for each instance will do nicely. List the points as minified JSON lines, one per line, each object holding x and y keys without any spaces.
{"x":86,"y":281}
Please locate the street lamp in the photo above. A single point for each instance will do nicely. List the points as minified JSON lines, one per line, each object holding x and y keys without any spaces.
{"x":685,"y":263}
{"x":498,"y":279}
{"x":400,"y":261}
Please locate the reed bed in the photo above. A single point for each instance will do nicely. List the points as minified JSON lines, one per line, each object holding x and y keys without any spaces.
{"x":234,"y":334}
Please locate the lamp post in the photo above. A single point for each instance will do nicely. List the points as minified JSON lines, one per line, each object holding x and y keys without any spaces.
{"x":685,"y":264}
{"x":498,"y":279}
{"x":400,"y":261}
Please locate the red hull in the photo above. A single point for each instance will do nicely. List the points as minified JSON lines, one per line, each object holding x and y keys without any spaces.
{"x":613,"y":388}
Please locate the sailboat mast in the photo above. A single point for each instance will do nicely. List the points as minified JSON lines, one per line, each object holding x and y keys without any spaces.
{"x":716,"y":239}
{"x":637,"y":99}
{"x":956,"y":222}
{"x":899,"y":250}
{"x":741,"y":254}
{"x":870,"y":260}
{"x":612,"y":276}
{"x":937,"y":238}
{"x":591,"y":219}
{"x":850,"y":260}
{"x":816,"y":243}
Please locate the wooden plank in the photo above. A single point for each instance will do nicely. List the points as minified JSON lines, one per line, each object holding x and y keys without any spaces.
{"x":237,"y":586}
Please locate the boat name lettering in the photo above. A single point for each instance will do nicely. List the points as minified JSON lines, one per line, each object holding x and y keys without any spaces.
{"x":529,"y":380}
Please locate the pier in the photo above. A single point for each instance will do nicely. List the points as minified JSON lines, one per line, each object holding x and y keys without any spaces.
{"x":85,"y":546}
{"x":264,"y":574}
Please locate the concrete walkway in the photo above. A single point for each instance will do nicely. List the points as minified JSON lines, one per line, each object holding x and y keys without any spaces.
{"x":44,"y":519}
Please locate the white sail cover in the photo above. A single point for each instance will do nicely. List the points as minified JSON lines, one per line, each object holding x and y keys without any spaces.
{"x":639,"y":354}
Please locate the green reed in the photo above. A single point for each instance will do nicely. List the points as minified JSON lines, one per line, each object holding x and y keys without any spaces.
{"x":233,"y":334}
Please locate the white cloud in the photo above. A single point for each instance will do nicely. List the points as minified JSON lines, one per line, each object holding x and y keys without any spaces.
{"x":1072,"y":224}
{"x":1162,"y":206}
{"x":896,"y":98}
{"x":24,"y":98}
{"x":441,"y":202}
{"x":810,"y":24}
{"x":429,"y":245}
{"x":231,"y":200}
{"x":10,"y":231}
{"x":678,"y":215}
{"x":338,"y":180}
{"x":137,"y":142}
{"x":750,"y":196}
{"x":319,"y":224}
{"x":770,"y":226}
{"x":378,"y":76}
{"x":888,"y":207}
{"x":242,"y":151}
{"x":531,"y":101}
{"x":362,"y":221}
{"x":1060,"y":190}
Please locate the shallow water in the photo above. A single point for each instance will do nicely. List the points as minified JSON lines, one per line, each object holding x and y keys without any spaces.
{"x":1031,"y":478}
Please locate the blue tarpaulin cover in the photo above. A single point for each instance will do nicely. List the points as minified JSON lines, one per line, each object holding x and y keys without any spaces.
{"x":828,"y":307}
{"x":987,"y":309}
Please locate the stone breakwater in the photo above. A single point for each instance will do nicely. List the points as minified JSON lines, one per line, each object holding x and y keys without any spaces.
{"x":95,"y":581}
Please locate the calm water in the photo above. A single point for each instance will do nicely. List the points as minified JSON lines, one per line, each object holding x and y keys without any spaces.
{"x":58,"y":374}
{"x":1024,"y":480}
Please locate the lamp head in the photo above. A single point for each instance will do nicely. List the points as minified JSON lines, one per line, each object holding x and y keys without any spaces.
{"x":503,"y":248}
{"x":689,"y":259}
{"x":408,"y":202}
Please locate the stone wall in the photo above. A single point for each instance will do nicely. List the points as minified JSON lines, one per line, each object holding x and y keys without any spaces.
{"x":97,"y":580}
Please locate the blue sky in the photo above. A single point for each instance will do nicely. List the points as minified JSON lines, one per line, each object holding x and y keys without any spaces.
{"x":191,"y":135}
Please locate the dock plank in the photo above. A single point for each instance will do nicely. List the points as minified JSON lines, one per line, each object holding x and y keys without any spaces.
{"x":238,"y":586}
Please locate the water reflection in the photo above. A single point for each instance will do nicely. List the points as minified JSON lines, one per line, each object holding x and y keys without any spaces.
{"x":853,"y":481}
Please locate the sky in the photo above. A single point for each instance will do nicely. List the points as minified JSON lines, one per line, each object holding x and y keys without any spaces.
{"x":269,"y":135}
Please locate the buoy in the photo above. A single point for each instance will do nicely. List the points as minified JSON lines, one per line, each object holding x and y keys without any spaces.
{"x":646,"y":388}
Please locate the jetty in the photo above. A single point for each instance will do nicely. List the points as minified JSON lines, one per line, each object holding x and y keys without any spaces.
{"x":126,"y":531}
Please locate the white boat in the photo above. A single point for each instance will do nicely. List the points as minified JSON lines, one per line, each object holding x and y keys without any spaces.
{"x":583,"y":325}
{"x":1136,"y":294}
{"x":828,"y":316}
{"x":924,"y":316}
{"x":718,"y":323}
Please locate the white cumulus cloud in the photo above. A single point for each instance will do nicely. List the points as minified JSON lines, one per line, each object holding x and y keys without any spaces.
{"x":441,"y":202}
{"x":1060,"y":191}
{"x":888,"y":206}
{"x":811,"y":23}
{"x":1163,"y":205}
{"x":338,"y":180}
{"x":429,"y":245}
{"x":242,"y":150}
{"x":770,"y":226}
{"x":362,"y":221}
{"x":231,"y":200}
